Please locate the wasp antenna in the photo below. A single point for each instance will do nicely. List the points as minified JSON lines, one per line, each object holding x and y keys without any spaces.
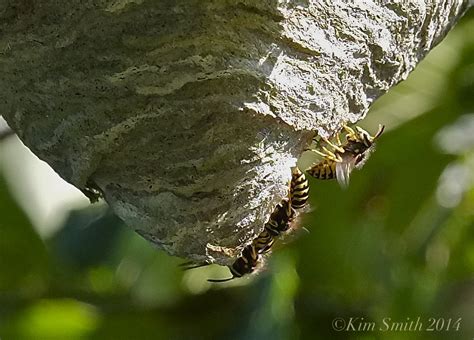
{"x":220,"y":280}
{"x":192,"y":265}
{"x":379,"y":132}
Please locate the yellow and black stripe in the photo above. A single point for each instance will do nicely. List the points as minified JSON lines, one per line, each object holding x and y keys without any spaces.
{"x":326,"y":169}
{"x":278,"y":223}
{"x":349,"y":155}
{"x":243,"y":265}
{"x":263,"y":242}
{"x":280,"y":218}
{"x":299,"y":189}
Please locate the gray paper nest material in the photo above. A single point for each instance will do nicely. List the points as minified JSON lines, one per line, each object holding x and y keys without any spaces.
{"x":189,"y":114}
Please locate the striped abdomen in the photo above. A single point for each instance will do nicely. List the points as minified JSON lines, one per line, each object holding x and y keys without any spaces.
{"x":280,"y":218}
{"x":325,"y":169}
{"x":263,"y":242}
{"x":299,"y":189}
{"x":246,"y":263}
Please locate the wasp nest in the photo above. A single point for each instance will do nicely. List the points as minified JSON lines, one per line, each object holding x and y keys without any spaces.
{"x":188,"y":115}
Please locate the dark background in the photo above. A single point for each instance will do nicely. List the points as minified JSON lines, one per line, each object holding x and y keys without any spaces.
{"x":398,"y":244}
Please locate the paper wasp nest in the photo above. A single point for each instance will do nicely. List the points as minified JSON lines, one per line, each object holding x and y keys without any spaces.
{"x":189,"y":114}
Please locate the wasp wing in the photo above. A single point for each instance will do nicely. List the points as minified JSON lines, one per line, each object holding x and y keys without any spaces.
{"x":344,"y":169}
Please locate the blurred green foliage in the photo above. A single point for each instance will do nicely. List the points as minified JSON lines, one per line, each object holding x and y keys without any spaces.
{"x":399,"y":244}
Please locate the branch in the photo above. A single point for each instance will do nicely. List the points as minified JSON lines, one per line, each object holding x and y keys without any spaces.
{"x":187,"y":115}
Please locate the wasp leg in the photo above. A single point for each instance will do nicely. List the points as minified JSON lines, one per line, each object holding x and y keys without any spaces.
{"x":338,"y":139}
{"x":331,"y":156}
{"x":350,"y":131}
{"x":334,"y":146}
{"x":192,"y":265}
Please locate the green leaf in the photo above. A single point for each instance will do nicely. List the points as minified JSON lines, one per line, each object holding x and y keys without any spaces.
{"x":23,"y":257}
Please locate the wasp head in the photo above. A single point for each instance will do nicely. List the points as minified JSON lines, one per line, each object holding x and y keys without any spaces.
{"x":359,"y":141}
